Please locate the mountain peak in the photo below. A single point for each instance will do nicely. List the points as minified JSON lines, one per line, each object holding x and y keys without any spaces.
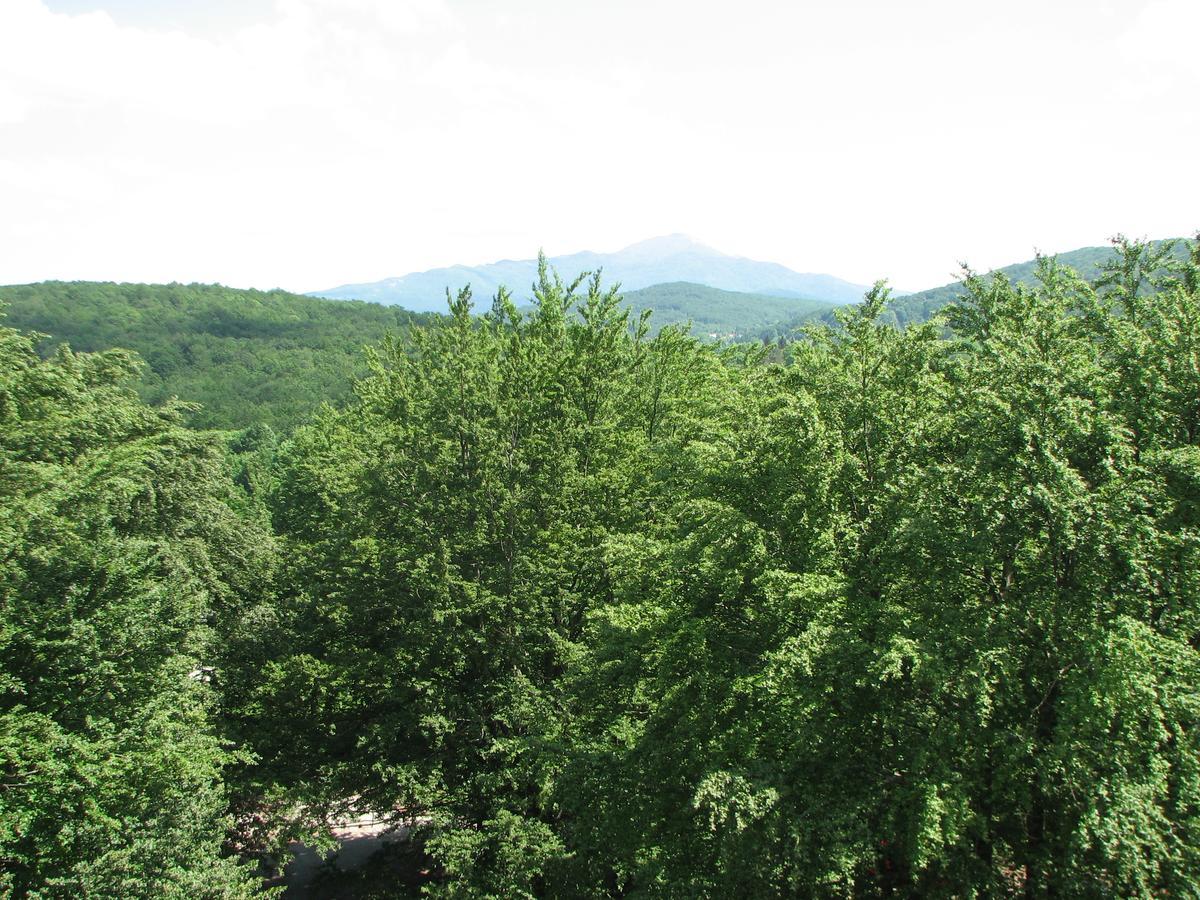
{"x":657,"y":260}
{"x":665,"y":245}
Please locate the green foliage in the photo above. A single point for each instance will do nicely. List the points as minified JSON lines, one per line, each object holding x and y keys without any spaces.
{"x":607,"y":612}
{"x":937,"y":634}
{"x":911,"y":614}
{"x":447,"y":540}
{"x":913,"y":309}
{"x":1089,"y":263}
{"x":719,"y":315}
{"x":119,"y":553}
{"x":247,"y":357}
{"x":503,"y":858}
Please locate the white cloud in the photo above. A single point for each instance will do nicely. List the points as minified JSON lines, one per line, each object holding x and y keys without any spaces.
{"x":1163,"y":39}
{"x":341,"y":140}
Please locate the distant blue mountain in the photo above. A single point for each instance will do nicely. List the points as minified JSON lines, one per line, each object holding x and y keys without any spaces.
{"x":672,"y":258}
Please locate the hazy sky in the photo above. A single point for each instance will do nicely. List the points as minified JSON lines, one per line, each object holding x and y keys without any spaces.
{"x":306,"y":143}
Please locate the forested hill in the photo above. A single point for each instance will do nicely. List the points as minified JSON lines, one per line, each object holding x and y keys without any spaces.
{"x":1087,"y":261}
{"x":920,"y":306}
{"x":716,"y":314}
{"x":253,"y":357}
{"x":248,"y":357}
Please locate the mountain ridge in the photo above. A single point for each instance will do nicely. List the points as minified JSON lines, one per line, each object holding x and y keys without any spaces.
{"x":659,"y":260}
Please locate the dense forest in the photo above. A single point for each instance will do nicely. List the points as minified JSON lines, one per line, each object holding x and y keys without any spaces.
{"x":272,"y":358}
{"x":603,"y":610}
{"x":719,"y":315}
{"x":246,"y":357}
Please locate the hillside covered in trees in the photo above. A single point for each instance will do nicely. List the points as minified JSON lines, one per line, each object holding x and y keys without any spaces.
{"x":600,"y":611}
{"x":1088,"y":262}
{"x":247,"y":357}
{"x":715,"y":314}
{"x":271,"y":358}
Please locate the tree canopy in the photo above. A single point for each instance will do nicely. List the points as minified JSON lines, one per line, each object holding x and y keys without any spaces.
{"x":122,"y":558}
{"x":606,"y":611}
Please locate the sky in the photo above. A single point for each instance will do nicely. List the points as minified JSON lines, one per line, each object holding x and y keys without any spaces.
{"x":308,"y":143}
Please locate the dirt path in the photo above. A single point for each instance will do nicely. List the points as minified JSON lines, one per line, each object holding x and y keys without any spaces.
{"x":358,"y":840}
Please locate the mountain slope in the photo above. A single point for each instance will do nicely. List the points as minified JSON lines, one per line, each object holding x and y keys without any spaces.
{"x":246,"y":356}
{"x":673,"y":258}
{"x":1087,"y":261}
{"x":920,"y":306}
{"x":715,"y":313}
